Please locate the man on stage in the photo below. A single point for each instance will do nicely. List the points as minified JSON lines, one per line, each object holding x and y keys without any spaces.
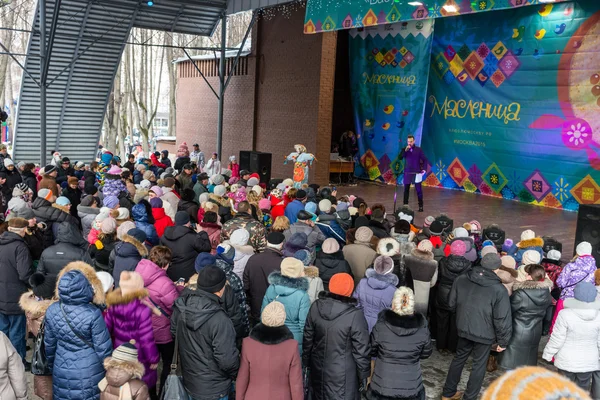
{"x":414,"y":168}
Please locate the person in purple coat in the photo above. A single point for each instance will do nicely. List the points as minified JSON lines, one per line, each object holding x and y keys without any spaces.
{"x":415,"y":163}
{"x":129,"y":317}
{"x":375,"y":291}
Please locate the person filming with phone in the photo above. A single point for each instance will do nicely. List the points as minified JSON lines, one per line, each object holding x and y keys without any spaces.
{"x":415,"y":164}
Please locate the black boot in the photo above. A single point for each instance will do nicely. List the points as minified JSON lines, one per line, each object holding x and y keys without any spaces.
{"x":420,"y":208}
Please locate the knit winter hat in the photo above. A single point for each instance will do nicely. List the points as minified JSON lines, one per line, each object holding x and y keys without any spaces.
{"x":127,"y":352}
{"x":460,"y":232}
{"x":304,"y":256}
{"x":458,"y":248}
{"x":157,"y":191}
{"x":203,"y":198}
{"x":204,"y":260}
{"x":388,"y":247}
{"x":106,"y":279}
{"x":530,"y":257}
{"x":341,"y":284}
{"x":508,"y":262}
{"x":110,"y":201}
{"x":48,"y":169}
{"x":488,"y":250}
{"x":491,"y":262}
{"x":217,"y":179}
{"x":23,"y":212}
{"x":330,"y":246}
{"x":211,"y":279}
{"x":292,"y":268}
{"x":156,"y":202}
{"x":182,"y":218}
{"x":554,"y":255}
{"x":257,"y":189}
{"x":325,"y":206}
{"x":436,"y":228}
{"x":149,"y":176}
{"x":585,"y":292}
{"x":145,"y":184}
{"x":304,"y":215}
{"x":8,"y":161}
{"x":506,"y":246}
{"x":301,"y":194}
{"x":383,"y":265}
{"x":533,"y":383}
{"x":183,"y":150}
{"x":425,"y":245}
{"x":311,"y":207}
{"x":527,"y":235}
{"x":402,"y":227}
{"x":123,"y":214}
{"x":584,"y":249}
{"x":475,"y":226}
{"x":114,"y":170}
{"x":109,"y":226}
{"x":220,"y":190}
{"x":137,"y":234}
{"x":252,"y":182}
{"x":124,"y":228}
{"x":63,"y":201}
{"x":130,"y":282}
{"x":42,"y":285}
{"x":239,"y":237}
{"x":264,"y":204}
{"x":276,"y":238}
{"x":273,"y":315}
{"x":363,"y":235}
{"x":428,"y":221}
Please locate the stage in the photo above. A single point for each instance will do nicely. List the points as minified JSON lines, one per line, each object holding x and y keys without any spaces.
{"x":512,"y":216}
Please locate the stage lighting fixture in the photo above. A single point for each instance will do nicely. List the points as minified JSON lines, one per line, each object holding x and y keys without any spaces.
{"x":150,"y":3}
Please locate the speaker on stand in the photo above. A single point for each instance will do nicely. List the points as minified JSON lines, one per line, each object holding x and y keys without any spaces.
{"x":588,"y":228}
{"x":257,"y":161}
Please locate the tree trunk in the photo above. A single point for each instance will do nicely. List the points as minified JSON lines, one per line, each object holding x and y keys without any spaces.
{"x":172,"y":70}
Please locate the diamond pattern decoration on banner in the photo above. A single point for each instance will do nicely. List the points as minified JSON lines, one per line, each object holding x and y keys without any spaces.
{"x":571,"y":204}
{"x":389,"y":57}
{"x":456,"y":66}
{"x":491,"y":64}
{"x":403,"y":50}
{"x":551,"y":201}
{"x":409,"y":57}
{"x":482,"y":78}
{"x":368,"y":160}
{"x":537,"y":185}
{"x":499,"y":50}
{"x":498,"y":78}
{"x":374,"y":173}
{"x":586,"y":191}
{"x":440,"y":65}
{"x":420,"y":13}
{"x":561,"y":189}
{"x":484,"y":188}
{"x":388,"y":177}
{"x":402,"y":64}
{"x":475,"y":175}
{"x":509,"y":64}
{"x":464,"y":52}
{"x":431,"y":180}
{"x":458,"y":172}
{"x":494,"y":178}
{"x":450,"y":3}
{"x":483,"y":51}
{"x":449,"y":183}
{"x":469,"y":187}
{"x":370,"y":19}
{"x":384,"y":163}
{"x":379,"y":58}
{"x":463,"y":78}
{"x":328,"y":24}
{"x":450,"y":53}
{"x":473,"y":65}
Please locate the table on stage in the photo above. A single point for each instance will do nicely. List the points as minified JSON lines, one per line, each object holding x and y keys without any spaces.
{"x":340,"y":167}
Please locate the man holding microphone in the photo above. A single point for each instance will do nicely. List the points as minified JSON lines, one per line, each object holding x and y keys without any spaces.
{"x":414,"y":168}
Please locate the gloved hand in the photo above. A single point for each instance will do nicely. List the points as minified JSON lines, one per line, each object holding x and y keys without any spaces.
{"x":362,"y":388}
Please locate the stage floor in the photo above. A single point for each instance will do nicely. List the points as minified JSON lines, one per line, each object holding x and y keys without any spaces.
{"x":512,"y":216}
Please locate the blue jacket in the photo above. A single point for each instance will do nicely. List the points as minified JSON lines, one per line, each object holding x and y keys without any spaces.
{"x":140,"y":216}
{"x":292,"y":210}
{"x":331,"y":228}
{"x":125,"y":257}
{"x":76,"y":367}
{"x":292,"y":293}
{"x":374,"y":294}
{"x":517,"y":250}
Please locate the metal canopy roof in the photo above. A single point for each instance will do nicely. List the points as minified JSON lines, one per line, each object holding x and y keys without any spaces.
{"x":85,"y":41}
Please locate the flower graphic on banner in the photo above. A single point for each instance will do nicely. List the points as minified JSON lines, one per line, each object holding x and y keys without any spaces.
{"x":440,"y":170}
{"x":537,"y":185}
{"x":577,"y":134}
{"x":561,"y":189}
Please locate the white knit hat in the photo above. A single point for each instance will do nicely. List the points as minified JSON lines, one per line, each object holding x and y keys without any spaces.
{"x":527,"y":235}
{"x":531,"y":257}
{"x":554,"y":255}
{"x":239,"y":237}
{"x":273,"y":315}
{"x":584,"y":249}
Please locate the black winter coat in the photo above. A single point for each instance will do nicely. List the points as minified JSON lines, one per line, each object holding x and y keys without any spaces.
{"x":331,"y":264}
{"x":399,"y":343}
{"x":206,"y":338}
{"x":15,"y":270}
{"x":180,"y":162}
{"x":64,"y":174}
{"x":90,"y":179}
{"x":44,"y":212}
{"x":74,"y":196}
{"x":34,"y":238}
{"x":450,"y":268}
{"x":100,"y":253}
{"x":69,"y":246}
{"x":529,"y":302}
{"x":125,"y":257}
{"x":13,"y":178}
{"x":185,"y":244}
{"x":336,"y":347}
{"x":482,"y":307}
{"x":256,"y":274}
{"x":380,"y":229}
{"x":189,"y":207}
{"x":30,"y":180}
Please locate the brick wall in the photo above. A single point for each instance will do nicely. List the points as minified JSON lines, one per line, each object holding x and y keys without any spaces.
{"x":291,"y":101}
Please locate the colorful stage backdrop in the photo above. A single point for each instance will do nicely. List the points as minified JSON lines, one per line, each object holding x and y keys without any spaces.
{"x":513,"y":106}
{"x":388,"y":76}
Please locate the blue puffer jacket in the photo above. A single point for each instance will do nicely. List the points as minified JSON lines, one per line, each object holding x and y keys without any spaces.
{"x":328,"y":224}
{"x":517,"y":250}
{"x":76,"y":367}
{"x":374,"y":293}
{"x":292,"y":293}
{"x":140,"y":216}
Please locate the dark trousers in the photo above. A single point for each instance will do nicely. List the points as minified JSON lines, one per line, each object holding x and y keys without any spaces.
{"x":166,"y":351}
{"x":419,"y":193}
{"x":584,"y":380}
{"x":447,"y":334}
{"x":15,"y":328}
{"x":480,"y":353}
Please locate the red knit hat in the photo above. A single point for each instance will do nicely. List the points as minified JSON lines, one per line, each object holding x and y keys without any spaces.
{"x":341,"y":284}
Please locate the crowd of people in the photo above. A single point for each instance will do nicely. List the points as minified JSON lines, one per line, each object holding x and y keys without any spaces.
{"x":121,"y":272}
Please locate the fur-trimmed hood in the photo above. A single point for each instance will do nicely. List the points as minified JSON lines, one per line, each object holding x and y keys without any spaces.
{"x":271,"y":335}
{"x":128,"y":370}
{"x":311,"y":272}
{"x":377,"y":281}
{"x":535,"y":242}
{"x":545,"y":284}
{"x":220,"y":201}
{"x":61,"y":208}
{"x":30,"y":305}
{"x":511,"y":271}
{"x":117,"y":297}
{"x":90,"y":274}
{"x":403,"y":325}
{"x":136,"y":243}
{"x":285,"y":282}
{"x":423,"y":255}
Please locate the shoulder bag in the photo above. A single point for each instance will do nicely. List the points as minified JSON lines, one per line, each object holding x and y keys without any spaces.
{"x":72,"y":329}
{"x":39,"y":362}
{"x":174,"y":389}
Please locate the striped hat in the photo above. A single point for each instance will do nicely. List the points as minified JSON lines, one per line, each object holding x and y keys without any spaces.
{"x":126,"y":352}
{"x":534,"y":383}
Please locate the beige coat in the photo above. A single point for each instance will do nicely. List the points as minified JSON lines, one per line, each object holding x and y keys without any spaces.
{"x":123,"y":376}
{"x":360,"y":256}
{"x":13,"y":382}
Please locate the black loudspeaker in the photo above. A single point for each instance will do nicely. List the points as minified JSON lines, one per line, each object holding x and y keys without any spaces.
{"x":446,"y":222}
{"x":259,"y":162}
{"x":273,"y":183}
{"x":588,"y":228}
{"x":551,"y":244}
{"x":496,"y":235}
